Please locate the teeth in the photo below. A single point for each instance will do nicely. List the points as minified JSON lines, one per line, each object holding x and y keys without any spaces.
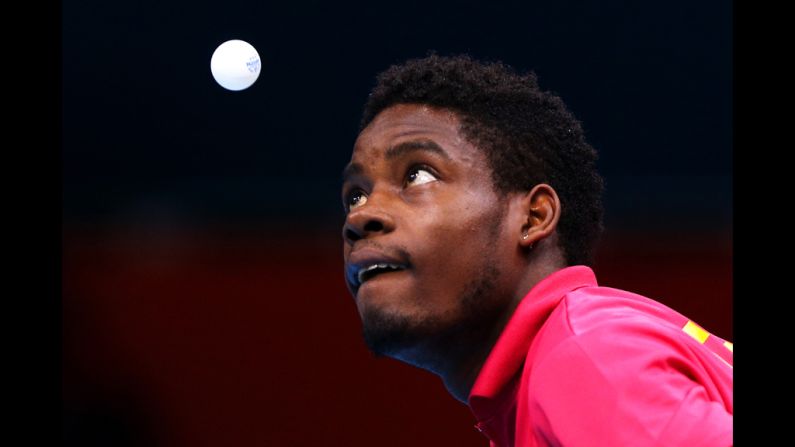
{"x":370,"y":268}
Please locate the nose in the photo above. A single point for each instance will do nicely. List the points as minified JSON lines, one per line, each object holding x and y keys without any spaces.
{"x":367,"y":220}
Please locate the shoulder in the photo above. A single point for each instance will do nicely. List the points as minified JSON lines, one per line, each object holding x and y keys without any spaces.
{"x":597,"y":308}
{"x":617,"y":332}
{"x":623,"y":370}
{"x":618,"y":355}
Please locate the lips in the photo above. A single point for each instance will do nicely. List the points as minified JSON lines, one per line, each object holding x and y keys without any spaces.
{"x":365,"y":264}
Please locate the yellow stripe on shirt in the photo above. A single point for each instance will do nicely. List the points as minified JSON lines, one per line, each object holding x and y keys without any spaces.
{"x":696,"y":331}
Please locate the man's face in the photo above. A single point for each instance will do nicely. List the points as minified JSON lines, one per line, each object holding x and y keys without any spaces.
{"x":423,"y":238}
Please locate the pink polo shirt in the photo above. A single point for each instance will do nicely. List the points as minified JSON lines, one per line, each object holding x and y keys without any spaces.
{"x":584,"y":365}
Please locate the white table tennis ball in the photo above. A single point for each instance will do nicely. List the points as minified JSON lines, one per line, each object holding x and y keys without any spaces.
{"x":235,"y":65}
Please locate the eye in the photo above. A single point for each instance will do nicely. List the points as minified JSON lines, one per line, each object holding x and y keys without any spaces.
{"x":419,"y":175}
{"x":355,"y":198}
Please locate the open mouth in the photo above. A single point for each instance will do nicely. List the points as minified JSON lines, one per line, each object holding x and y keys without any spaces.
{"x":359,"y":274}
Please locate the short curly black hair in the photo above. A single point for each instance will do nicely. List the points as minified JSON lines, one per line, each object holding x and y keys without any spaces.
{"x":528,"y":135}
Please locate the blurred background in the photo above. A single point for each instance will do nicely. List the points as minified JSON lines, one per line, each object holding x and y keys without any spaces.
{"x":202,"y":294}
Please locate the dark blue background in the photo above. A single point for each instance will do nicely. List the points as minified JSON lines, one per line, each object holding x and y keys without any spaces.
{"x":149,"y":136}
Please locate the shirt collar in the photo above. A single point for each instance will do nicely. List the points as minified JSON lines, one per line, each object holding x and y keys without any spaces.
{"x":492,"y":392}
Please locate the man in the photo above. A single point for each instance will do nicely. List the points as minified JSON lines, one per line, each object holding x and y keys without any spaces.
{"x":472,"y":210}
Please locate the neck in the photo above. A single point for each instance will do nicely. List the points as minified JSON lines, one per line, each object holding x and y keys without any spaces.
{"x":461,"y":373}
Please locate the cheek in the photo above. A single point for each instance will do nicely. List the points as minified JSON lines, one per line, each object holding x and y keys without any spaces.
{"x":465,"y":223}
{"x":453,"y":244}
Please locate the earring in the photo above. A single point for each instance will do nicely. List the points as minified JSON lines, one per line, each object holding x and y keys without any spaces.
{"x":524,"y":238}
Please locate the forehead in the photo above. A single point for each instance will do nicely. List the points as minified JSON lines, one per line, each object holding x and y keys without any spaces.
{"x":407,"y":122}
{"x":408,"y":118}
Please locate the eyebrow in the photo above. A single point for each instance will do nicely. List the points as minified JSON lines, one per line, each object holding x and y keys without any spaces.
{"x":397,"y":151}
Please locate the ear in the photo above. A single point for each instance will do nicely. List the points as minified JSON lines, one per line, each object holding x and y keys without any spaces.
{"x":541,"y":213}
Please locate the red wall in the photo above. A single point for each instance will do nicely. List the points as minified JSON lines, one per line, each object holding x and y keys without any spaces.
{"x":249,"y":337}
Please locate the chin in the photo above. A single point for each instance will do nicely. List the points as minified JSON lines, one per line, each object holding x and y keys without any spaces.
{"x":427,"y":340}
{"x":395,"y":335}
